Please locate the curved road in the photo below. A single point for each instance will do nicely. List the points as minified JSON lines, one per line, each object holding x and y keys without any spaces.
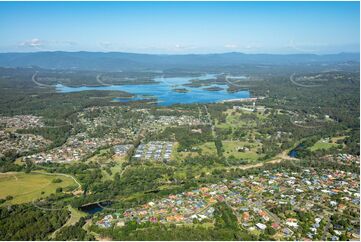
{"x":33,"y":78}
{"x":100,"y":81}
{"x":301,"y":85}
{"x":304,"y":126}
{"x":233,"y":84}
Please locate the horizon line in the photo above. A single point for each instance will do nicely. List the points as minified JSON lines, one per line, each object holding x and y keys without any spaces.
{"x":180,"y":54}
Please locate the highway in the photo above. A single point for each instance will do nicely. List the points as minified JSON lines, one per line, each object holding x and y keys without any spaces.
{"x":301,"y":85}
{"x":101,"y":82}
{"x":33,"y":78}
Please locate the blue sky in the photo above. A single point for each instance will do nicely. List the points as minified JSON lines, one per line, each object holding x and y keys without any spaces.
{"x":181,"y":27}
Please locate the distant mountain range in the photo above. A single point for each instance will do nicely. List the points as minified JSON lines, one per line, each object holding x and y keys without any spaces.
{"x":117,"y":61}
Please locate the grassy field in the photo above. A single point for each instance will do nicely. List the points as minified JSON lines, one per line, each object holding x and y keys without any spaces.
{"x":117,"y":168}
{"x":19,"y":161}
{"x":234,"y":120}
{"x":76,"y":214}
{"x":207,"y":148}
{"x":101,"y":158}
{"x":319,"y":145}
{"x":27,"y":187}
{"x":247,"y":121}
{"x":104,"y":158}
{"x":231,"y":149}
{"x":326,"y":144}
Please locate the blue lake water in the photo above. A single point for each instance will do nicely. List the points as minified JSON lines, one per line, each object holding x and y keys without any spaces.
{"x":293,"y":153}
{"x":164,"y":92}
{"x":95,"y":207}
{"x":91,"y":209}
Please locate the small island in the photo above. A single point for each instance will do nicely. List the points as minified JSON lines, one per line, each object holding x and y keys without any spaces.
{"x":192,"y":84}
{"x":180,"y":90}
{"x":213,"y":89}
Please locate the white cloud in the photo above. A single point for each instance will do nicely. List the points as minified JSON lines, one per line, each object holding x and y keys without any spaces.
{"x":183,"y":47}
{"x":61,"y":43}
{"x":107,"y":46}
{"x":230,"y":46}
{"x":49,"y":45}
{"x":33,"y":43}
{"x":304,"y":47}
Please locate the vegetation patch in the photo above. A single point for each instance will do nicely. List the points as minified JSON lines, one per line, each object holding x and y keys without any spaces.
{"x":328,"y":143}
{"x":241,"y":150}
{"x":23,"y":187}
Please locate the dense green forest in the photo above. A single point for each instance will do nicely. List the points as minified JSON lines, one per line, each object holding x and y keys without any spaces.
{"x":25,"y":222}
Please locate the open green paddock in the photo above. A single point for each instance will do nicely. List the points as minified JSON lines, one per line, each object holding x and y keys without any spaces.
{"x":231,"y":149}
{"x":326,"y":144}
{"x":26,"y":187}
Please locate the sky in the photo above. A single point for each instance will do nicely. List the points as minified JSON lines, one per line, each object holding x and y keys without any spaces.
{"x":181,"y":27}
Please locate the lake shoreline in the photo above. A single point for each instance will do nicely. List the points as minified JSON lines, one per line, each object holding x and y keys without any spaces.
{"x":168,"y":91}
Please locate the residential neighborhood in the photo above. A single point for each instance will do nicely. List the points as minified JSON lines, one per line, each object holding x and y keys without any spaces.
{"x":75,"y":149}
{"x":13,"y":142}
{"x":154,"y":150}
{"x":269,"y":199}
{"x":21,"y":122}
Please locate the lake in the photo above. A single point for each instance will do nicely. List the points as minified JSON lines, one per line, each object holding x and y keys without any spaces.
{"x":294,"y":152}
{"x":94,"y":207}
{"x":164,"y":91}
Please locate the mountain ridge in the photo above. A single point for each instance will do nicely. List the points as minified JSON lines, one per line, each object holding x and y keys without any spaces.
{"x":109,"y":61}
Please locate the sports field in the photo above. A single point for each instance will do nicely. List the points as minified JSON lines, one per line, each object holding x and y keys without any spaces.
{"x":27,"y":187}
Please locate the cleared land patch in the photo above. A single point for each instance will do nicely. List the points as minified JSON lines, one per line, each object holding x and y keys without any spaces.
{"x":207,"y":148}
{"x":326,"y":143}
{"x":241,"y":150}
{"x":27,"y":187}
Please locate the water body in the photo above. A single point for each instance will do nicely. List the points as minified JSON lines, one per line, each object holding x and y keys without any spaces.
{"x":164,"y":93}
{"x":94,"y":207}
{"x":91,"y":209}
{"x":294,"y":153}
